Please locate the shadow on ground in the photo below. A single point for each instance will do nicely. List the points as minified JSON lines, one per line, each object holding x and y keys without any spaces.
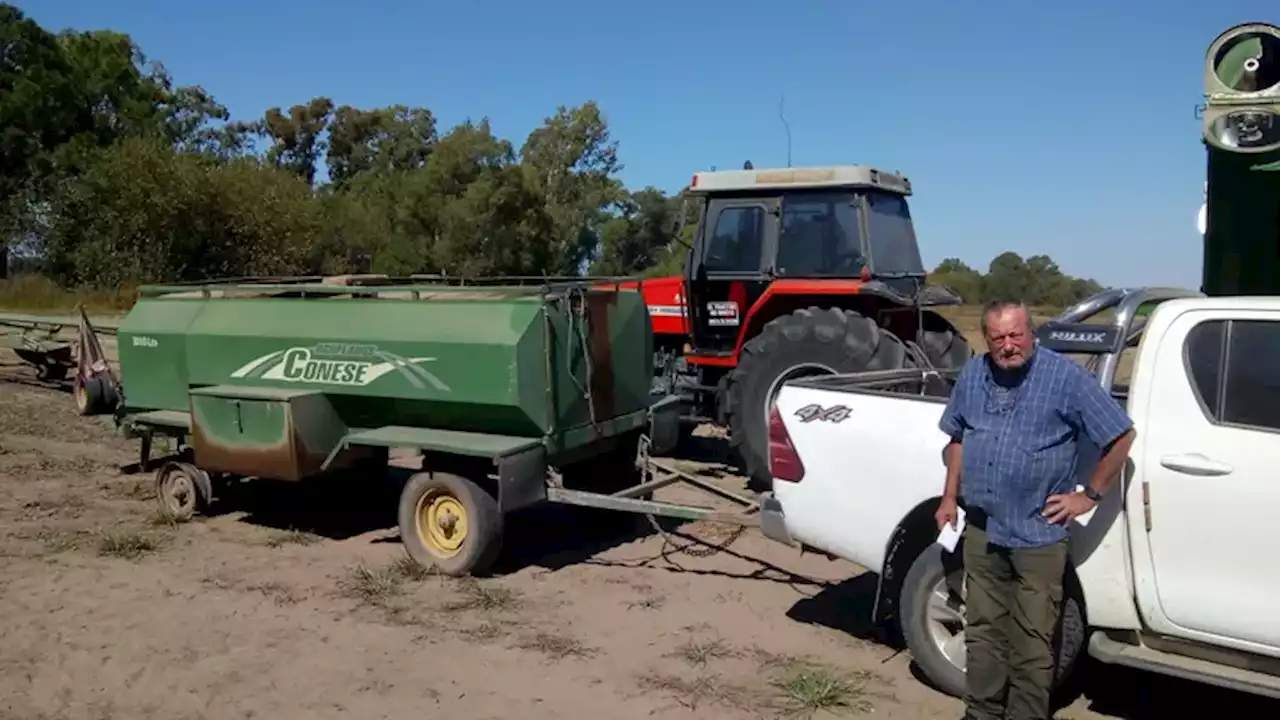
{"x":547,"y":536}
{"x":1138,"y":695}
{"x":1105,"y":689}
{"x":846,"y":607}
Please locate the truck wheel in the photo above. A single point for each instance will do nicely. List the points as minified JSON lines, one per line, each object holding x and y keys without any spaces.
{"x":946,"y":347}
{"x":813,"y":341}
{"x":932,"y":620}
{"x":450,"y":523}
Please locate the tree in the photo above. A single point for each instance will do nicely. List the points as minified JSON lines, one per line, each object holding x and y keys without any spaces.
{"x":571,"y":162}
{"x":1036,"y":280}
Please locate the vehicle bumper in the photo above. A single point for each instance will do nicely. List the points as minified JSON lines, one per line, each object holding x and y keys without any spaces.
{"x":773,"y":523}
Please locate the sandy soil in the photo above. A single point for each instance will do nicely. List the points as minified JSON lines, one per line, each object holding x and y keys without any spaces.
{"x":295,"y":602}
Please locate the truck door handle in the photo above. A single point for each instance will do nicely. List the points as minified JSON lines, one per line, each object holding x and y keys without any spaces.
{"x":1195,"y":464}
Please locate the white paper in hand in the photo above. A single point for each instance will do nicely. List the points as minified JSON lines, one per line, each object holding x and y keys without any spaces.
{"x":950,"y":534}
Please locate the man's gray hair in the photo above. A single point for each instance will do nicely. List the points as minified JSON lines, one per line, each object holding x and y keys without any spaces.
{"x":995,"y":306}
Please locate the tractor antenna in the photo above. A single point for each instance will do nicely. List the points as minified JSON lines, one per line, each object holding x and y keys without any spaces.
{"x":782,"y":103}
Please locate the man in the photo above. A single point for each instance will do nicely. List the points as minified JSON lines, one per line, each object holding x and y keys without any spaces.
{"x":1015,"y":418}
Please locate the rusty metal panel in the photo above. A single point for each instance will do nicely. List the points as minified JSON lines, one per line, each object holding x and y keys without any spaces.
{"x":265,"y":432}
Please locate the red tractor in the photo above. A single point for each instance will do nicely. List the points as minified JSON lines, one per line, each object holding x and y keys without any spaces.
{"x":793,"y":273}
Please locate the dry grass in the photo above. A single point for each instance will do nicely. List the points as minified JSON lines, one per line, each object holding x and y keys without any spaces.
{"x":483,"y":597}
{"x":698,"y":653}
{"x":555,"y":646}
{"x":37,"y":293}
{"x":292,"y":537}
{"x":702,"y":690}
{"x":805,"y":689}
{"x":127,"y":544}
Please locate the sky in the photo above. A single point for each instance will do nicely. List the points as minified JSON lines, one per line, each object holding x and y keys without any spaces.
{"x":1065,"y":129}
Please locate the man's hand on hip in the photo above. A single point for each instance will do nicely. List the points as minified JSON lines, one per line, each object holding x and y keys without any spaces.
{"x":1063,"y":508}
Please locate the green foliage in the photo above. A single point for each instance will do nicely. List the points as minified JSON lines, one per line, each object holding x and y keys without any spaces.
{"x":112,"y":175}
{"x":1036,"y":280}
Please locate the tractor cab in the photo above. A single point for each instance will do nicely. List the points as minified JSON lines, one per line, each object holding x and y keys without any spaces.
{"x":810,"y":231}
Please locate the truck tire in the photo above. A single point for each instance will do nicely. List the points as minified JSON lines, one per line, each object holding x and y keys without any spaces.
{"x":926,"y":577}
{"x":946,"y":347}
{"x":812,"y":341}
{"x":450,"y":523}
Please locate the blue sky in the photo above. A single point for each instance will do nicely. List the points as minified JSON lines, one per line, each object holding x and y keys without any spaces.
{"x":1059,"y":128}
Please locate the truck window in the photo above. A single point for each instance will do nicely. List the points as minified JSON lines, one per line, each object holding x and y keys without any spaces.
{"x":736,"y":240}
{"x":1235,"y":369}
{"x":819,"y":235}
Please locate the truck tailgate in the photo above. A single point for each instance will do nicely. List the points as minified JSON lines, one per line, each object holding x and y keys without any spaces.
{"x":869,"y":458}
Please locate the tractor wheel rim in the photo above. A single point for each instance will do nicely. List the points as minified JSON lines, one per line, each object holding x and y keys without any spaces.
{"x":791,"y":373}
{"x":944,"y":619}
{"x":441,"y":523}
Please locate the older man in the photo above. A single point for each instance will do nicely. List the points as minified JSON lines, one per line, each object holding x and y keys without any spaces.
{"x":1015,"y":419}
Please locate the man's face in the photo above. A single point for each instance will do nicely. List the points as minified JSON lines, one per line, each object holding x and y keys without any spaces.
{"x":1009,"y":338}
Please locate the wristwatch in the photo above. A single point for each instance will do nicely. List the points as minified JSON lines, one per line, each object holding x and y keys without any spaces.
{"x":1092,"y":494}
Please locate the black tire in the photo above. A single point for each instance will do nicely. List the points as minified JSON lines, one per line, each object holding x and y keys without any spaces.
{"x":482,"y":543}
{"x":944,"y":345}
{"x":925,"y":574}
{"x":813,"y":341}
{"x":95,"y":396}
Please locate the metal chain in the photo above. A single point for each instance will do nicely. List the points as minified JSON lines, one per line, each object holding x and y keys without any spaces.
{"x":646,"y":468}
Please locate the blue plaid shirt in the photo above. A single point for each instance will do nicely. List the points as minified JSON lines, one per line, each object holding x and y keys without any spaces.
{"x":1025,"y":442}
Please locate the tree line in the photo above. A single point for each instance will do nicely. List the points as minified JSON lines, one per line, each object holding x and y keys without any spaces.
{"x":1036,"y":280}
{"x":112,"y":174}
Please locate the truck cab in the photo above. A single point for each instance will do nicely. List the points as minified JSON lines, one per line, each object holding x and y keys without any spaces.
{"x":1170,"y":573}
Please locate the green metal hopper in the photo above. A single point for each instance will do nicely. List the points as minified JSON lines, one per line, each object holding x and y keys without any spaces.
{"x":495,"y":385}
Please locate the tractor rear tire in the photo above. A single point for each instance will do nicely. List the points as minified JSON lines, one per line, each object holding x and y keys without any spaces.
{"x":946,"y":347}
{"x":808,"y":342}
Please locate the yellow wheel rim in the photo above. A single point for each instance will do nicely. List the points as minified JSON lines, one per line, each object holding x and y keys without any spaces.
{"x":442,"y":523}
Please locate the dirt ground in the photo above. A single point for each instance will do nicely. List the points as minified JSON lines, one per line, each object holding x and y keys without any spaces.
{"x":295,"y":602}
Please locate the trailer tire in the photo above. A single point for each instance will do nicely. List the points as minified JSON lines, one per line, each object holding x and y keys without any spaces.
{"x":812,"y":341}
{"x":94,"y":396}
{"x":182,"y":490}
{"x":432,"y":507}
{"x":927,"y":574}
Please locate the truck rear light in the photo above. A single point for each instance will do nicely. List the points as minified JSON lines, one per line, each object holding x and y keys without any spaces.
{"x":784,"y":461}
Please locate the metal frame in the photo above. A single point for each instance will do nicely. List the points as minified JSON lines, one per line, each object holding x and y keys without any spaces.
{"x":1126,"y":302}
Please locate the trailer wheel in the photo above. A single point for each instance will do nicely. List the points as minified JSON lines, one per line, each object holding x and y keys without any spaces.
{"x":808,"y":342}
{"x":182,"y":490}
{"x":450,"y":523}
{"x":931,"y":616}
{"x":94,"y":396}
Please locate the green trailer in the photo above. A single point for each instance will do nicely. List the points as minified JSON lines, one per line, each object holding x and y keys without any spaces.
{"x":512,"y":395}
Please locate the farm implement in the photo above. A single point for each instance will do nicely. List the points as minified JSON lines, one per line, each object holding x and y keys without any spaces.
{"x":38,"y":341}
{"x":511,"y":395}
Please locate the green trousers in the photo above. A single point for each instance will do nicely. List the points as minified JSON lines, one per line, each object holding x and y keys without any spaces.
{"x":1012,"y":602}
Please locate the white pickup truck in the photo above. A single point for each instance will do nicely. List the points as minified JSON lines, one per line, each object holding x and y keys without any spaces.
{"x":1177,"y":571}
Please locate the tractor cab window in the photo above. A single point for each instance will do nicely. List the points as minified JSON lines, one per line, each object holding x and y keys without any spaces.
{"x":893,"y":241}
{"x":819,"y":235}
{"x":736,"y":240}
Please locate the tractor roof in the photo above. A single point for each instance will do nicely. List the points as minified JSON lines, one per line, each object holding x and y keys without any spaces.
{"x":723,"y":181}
